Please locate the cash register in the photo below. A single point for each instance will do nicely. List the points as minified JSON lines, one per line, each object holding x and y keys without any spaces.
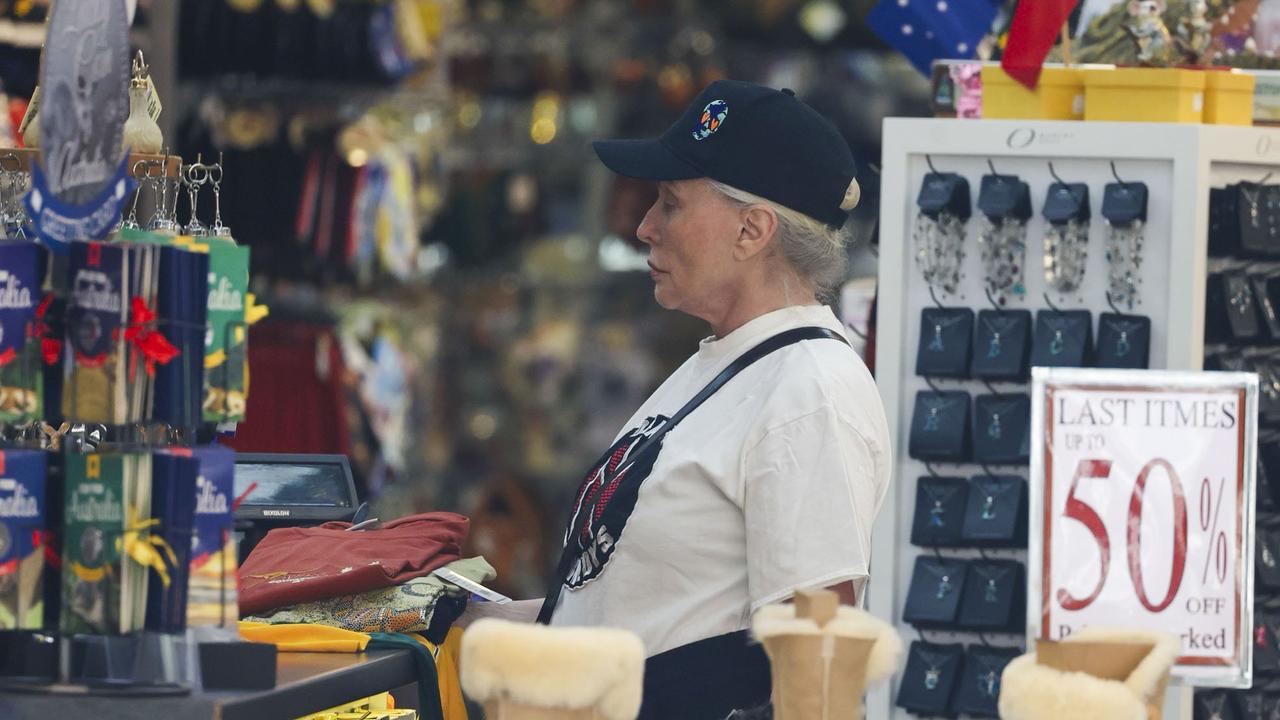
{"x":288,"y":490}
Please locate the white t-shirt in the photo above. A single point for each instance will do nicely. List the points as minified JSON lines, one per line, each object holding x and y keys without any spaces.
{"x":770,"y":486}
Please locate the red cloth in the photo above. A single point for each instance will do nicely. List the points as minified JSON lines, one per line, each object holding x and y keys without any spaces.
{"x":297,"y":565}
{"x":1035,"y":25}
{"x":296,"y":402}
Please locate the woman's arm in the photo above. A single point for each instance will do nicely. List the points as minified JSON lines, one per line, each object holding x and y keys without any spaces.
{"x":525,"y":611}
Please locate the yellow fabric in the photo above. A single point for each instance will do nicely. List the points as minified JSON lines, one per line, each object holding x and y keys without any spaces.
{"x":304,"y":638}
{"x":451,"y":702}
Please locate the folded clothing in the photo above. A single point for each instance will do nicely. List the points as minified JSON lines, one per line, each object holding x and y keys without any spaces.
{"x":408,"y":607}
{"x":298,"y":565}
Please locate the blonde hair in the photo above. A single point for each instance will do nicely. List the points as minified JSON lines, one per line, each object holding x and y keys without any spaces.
{"x":814,"y":250}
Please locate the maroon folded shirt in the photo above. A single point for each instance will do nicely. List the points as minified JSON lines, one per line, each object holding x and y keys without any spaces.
{"x":297,"y":565}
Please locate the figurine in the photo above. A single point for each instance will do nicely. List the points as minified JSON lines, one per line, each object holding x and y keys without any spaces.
{"x":1195,"y":33}
{"x":1148,"y":31}
{"x":141,"y":133}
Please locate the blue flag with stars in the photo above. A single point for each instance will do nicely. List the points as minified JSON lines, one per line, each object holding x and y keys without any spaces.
{"x":928,"y":30}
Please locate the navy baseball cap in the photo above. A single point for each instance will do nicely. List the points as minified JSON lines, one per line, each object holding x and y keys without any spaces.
{"x":754,"y":138}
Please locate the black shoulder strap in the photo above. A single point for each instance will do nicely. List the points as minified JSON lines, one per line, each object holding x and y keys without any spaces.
{"x":774,"y":343}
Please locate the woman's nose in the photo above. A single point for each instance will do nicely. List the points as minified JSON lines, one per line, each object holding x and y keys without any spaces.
{"x":646,"y":233}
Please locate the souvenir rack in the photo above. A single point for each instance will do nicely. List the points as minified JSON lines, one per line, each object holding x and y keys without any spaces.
{"x":1178,"y":164}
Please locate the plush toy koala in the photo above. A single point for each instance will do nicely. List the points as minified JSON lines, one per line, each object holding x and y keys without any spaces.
{"x":1146,"y":27}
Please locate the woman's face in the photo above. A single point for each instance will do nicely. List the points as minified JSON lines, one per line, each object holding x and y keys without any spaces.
{"x":691,"y":231}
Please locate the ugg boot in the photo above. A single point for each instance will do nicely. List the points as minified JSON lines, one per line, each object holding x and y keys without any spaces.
{"x":1098,"y":673}
{"x":520,"y":671}
{"x":824,"y":656}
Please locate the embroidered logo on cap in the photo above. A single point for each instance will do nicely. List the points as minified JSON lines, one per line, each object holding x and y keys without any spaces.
{"x":713,"y":116}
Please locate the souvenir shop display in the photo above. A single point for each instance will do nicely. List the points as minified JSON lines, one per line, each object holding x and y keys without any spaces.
{"x":1062,"y":338}
{"x":1066,"y":239}
{"x":979,"y":687}
{"x":938,"y":238}
{"x":1106,"y":294}
{"x":1002,"y":349}
{"x":996,"y":512}
{"x":1005,"y":205}
{"x":1124,"y":208}
{"x":946,"y":335}
{"x":22,"y":265}
{"x":1001,"y":434}
{"x":24,"y":505}
{"x":930,"y":678}
{"x":939,"y":511}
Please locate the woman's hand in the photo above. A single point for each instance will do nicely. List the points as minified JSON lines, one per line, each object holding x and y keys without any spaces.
{"x":525,"y":611}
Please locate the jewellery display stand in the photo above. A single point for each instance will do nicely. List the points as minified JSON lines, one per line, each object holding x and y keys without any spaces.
{"x":1177,"y":164}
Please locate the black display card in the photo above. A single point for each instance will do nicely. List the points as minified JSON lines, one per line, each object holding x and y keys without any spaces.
{"x":939,"y":511}
{"x":1063,"y":338}
{"x":993,"y":598}
{"x":1002,"y":429}
{"x":1267,"y":559}
{"x":933,"y":598}
{"x":996,"y":513}
{"x":1124,"y":341}
{"x":946,"y":337}
{"x":930,"y":678}
{"x":940,"y":427}
{"x":979,"y":691}
{"x":1002,"y":347}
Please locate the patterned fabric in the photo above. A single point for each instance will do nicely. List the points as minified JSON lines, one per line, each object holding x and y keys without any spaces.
{"x":407,"y":607}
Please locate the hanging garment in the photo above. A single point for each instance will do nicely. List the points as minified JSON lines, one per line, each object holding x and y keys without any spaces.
{"x":297,"y":400}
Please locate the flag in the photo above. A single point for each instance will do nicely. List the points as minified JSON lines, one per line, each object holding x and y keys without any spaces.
{"x":1036,"y":23}
{"x":928,"y":30}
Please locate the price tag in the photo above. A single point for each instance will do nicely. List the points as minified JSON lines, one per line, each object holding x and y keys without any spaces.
{"x":154,"y":107}
{"x":1142,"y":496}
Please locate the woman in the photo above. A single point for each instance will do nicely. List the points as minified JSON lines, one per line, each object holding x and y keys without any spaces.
{"x":770,"y":481}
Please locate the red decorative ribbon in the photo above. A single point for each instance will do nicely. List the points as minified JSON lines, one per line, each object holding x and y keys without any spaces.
{"x":45,"y":539}
{"x":155,"y":348}
{"x":50,"y":347}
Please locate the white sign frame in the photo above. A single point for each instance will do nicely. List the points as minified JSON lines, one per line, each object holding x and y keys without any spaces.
{"x":1044,"y":380}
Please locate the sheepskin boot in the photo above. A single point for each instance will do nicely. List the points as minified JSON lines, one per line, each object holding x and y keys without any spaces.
{"x":1098,"y":673}
{"x":824,"y":656}
{"x":520,"y":671}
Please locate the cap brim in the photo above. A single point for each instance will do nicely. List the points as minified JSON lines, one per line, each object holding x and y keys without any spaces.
{"x":644,"y":160}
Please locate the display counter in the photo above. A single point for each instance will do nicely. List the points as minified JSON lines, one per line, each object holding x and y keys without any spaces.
{"x":305,"y":683}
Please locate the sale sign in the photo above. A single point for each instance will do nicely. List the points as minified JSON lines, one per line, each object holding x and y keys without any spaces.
{"x":1142,"y":489}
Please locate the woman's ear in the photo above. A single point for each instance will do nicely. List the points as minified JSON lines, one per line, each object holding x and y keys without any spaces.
{"x":759,"y":225}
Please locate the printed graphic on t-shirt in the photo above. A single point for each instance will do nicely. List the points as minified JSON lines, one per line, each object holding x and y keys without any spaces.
{"x":601,"y":508}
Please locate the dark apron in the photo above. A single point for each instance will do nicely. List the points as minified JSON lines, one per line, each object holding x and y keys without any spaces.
{"x":706,"y":680}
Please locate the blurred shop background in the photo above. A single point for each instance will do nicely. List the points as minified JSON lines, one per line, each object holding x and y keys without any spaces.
{"x":457,"y":298}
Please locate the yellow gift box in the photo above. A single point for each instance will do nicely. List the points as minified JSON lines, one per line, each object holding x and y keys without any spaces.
{"x":1058,"y":96}
{"x":1228,"y":97}
{"x":1144,"y":95}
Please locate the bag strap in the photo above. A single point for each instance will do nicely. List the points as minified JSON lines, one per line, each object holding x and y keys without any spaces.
{"x":777,"y":342}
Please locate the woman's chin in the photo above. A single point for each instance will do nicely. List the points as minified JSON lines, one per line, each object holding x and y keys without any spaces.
{"x":664,"y":296}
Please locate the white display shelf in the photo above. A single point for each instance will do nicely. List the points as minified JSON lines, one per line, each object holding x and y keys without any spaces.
{"x":1179,"y":164}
